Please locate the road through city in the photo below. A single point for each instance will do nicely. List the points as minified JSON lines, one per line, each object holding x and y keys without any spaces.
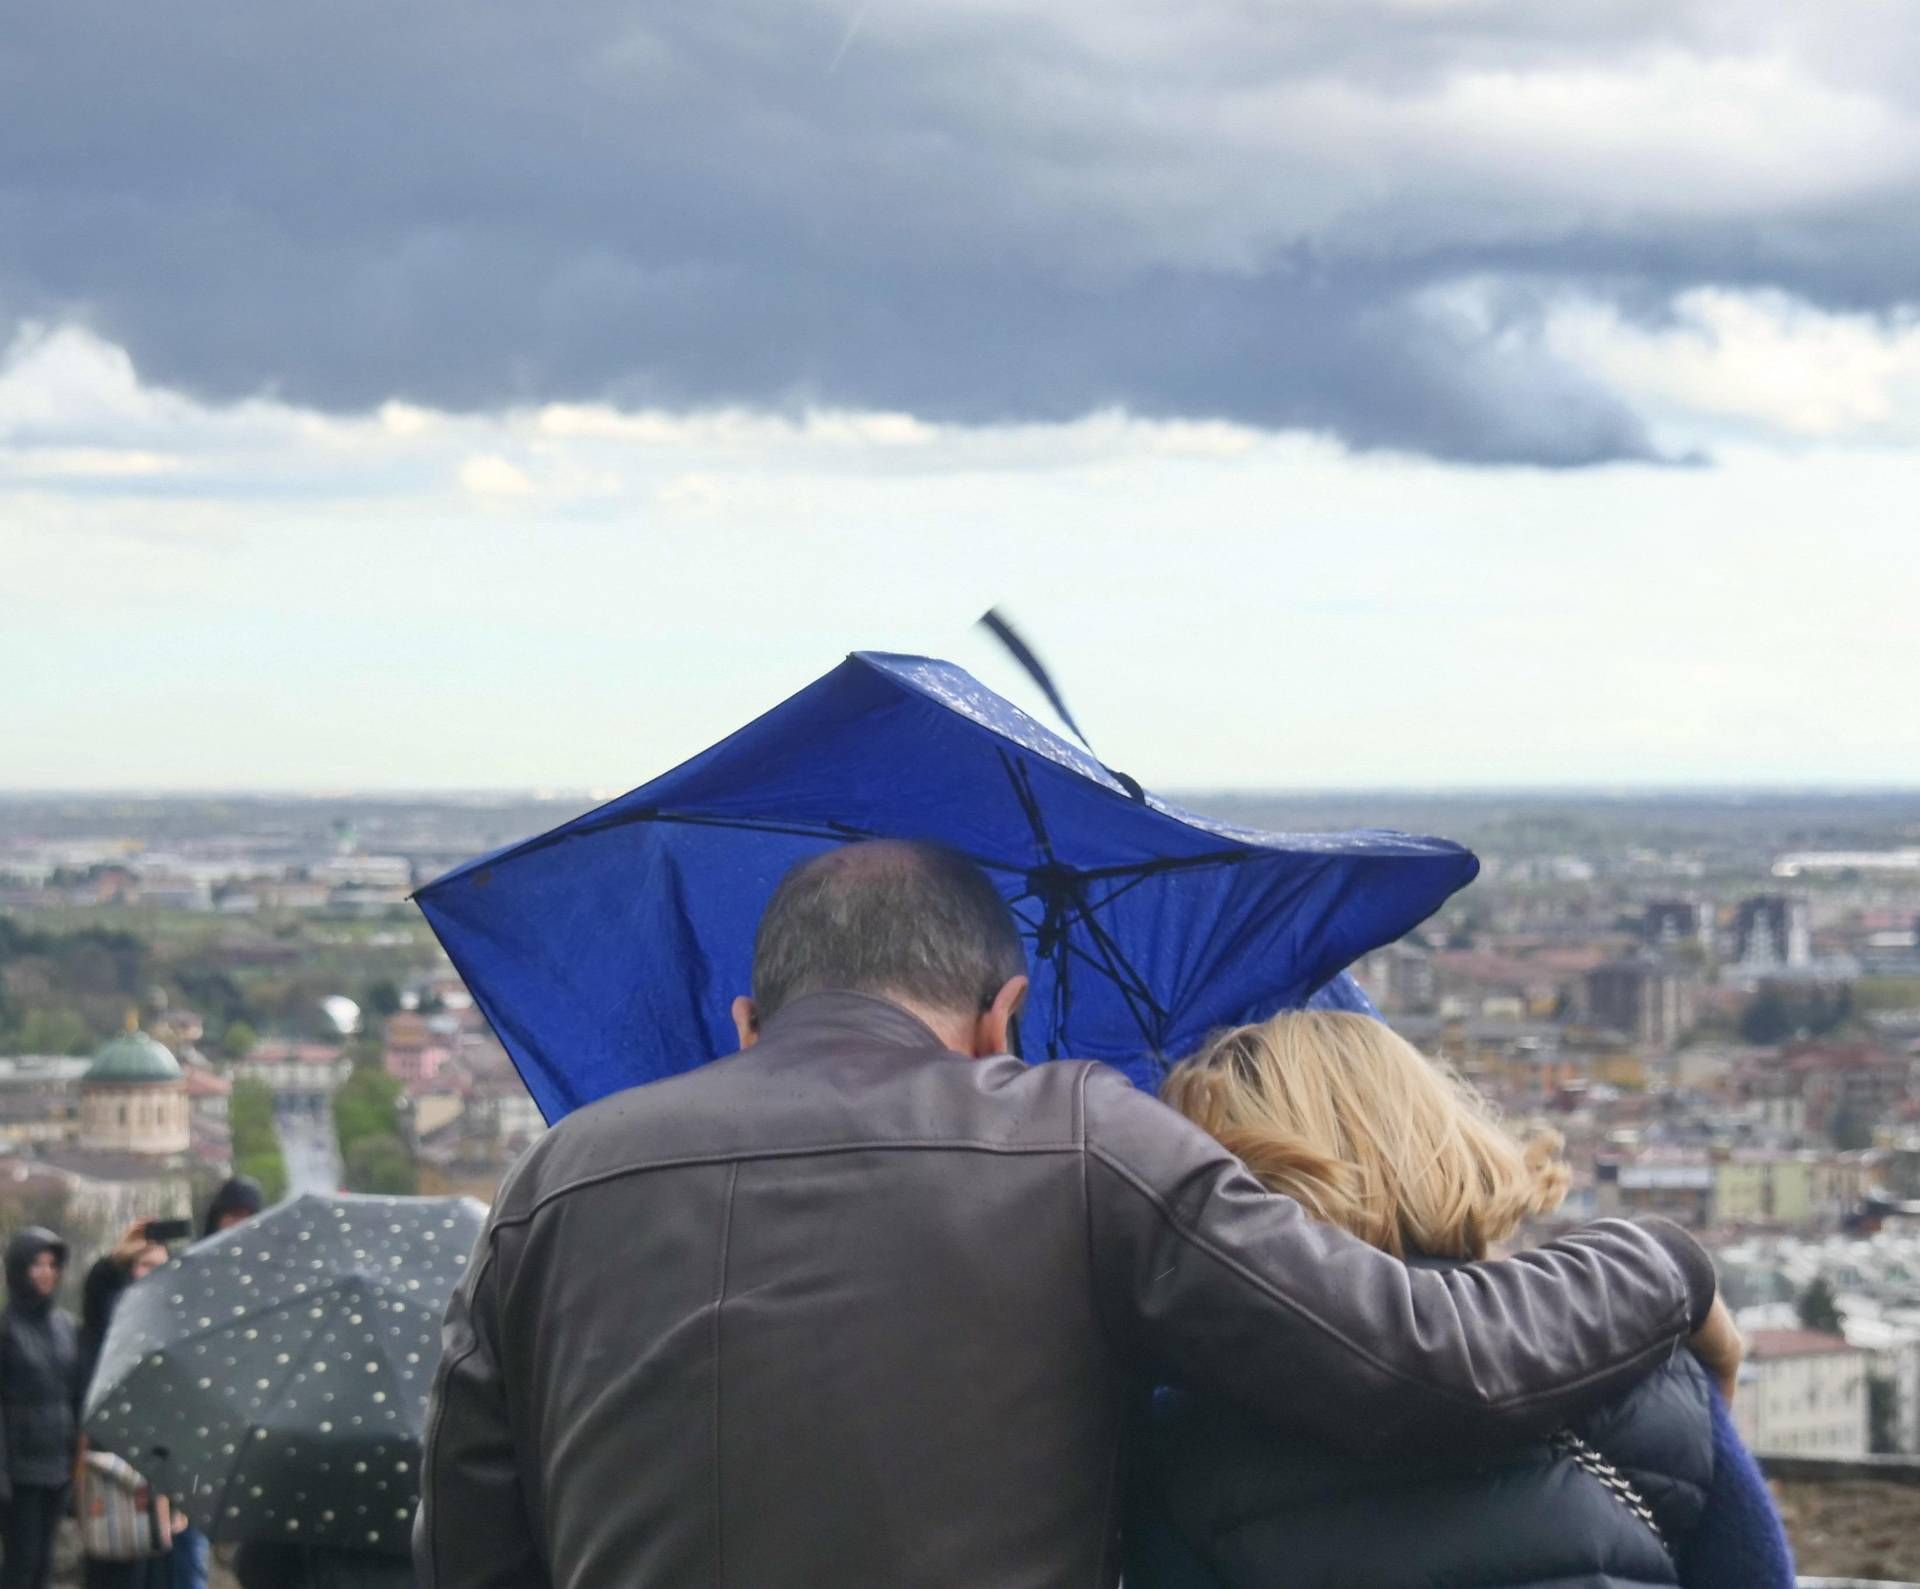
{"x":311,"y":1150}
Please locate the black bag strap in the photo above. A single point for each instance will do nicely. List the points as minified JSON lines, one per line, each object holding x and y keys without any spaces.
{"x":1584,"y":1457}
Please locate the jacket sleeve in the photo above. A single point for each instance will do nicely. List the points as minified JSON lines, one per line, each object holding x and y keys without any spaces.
{"x":472,"y":1530}
{"x":1207,"y":1276}
{"x":1740,"y":1543}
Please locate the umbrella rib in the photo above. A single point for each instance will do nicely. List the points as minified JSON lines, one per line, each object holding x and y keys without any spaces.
{"x":841,"y":831}
{"x":285,"y":1304}
{"x":1022,"y":781}
{"x":1133,"y":996}
{"x":247,"y":1432}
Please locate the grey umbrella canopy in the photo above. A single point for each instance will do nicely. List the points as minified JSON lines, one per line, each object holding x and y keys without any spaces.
{"x":276,"y":1376}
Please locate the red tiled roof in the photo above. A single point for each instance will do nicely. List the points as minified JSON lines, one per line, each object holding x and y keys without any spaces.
{"x":1763,"y":1345}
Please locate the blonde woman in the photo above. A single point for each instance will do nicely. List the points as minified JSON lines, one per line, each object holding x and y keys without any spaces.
{"x":1341,"y":1114}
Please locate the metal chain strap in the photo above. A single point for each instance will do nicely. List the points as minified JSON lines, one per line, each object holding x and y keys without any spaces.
{"x":1585,"y":1457}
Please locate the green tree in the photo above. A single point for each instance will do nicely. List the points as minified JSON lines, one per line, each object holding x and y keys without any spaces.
{"x":1829,"y":1012}
{"x":367,"y":1105}
{"x":366,"y":1119}
{"x":51,"y":1031}
{"x":1883,"y":1416}
{"x":381,"y":998}
{"x":256,"y":1144}
{"x":216,"y":994}
{"x":383,"y":1165}
{"x":1817,"y":1309}
{"x":239,"y":1040}
{"x":1767,"y":1017}
{"x":269,"y":1169}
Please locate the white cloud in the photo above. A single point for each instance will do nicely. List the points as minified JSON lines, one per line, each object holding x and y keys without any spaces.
{"x":489,"y":475}
{"x":1762,"y":360}
{"x":86,"y":463}
{"x":1224,"y":606}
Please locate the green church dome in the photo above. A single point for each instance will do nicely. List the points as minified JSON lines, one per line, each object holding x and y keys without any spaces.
{"x":130,"y":1058}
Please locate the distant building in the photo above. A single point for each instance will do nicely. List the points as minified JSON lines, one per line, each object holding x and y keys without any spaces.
{"x":40,"y":1098}
{"x":1642,"y":998}
{"x":1763,"y":1188}
{"x":1803,"y":1393}
{"x":303,"y":1072}
{"x":1840,"y":1082}
{"x":1679,"y":1187}
{"x":1772,"y":932}
{"x":209,"y":1110}
{"x":1895,"y":1347}
{"x":1668,"y":923}
{"x":415,"y":1052}
{"x":502,"y":1115}
{"x":366,"y":901}
{"x":126,"y":1154}
{"x":133,"y":1100}
{"x":1803,"y":861}
{"x":1399,"y":977}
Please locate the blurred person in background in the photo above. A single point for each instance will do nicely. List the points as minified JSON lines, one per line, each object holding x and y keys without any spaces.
{"x":1655,"y":1487}
{"x":39,"y":1398}
{"x":238,"y":1199}
{"x":132,"y":1259}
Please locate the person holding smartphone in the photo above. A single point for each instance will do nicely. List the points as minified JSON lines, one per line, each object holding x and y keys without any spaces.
{"x":142,"y":1248}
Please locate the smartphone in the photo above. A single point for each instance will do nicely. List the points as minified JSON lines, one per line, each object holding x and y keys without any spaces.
{"x":165,"y":1230}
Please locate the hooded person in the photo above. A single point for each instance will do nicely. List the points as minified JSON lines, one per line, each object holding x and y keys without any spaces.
{"x":237,"y":1201}
{"x":40,"y":1392}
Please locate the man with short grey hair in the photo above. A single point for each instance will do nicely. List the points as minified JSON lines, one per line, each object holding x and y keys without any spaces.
{"x":862,"y":1303}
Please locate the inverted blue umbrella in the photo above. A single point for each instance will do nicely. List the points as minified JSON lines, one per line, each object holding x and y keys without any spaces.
{"x":606,"y":952}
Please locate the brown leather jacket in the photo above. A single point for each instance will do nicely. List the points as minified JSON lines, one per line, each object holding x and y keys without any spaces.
{"x":849,"y":1309}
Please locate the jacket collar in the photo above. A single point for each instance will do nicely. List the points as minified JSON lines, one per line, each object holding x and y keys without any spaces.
{"x":860,"y":1015}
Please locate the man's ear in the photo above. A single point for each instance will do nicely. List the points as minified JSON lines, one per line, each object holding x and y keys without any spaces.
{"x":990,"y":1031}
{"x":746,"y":1021}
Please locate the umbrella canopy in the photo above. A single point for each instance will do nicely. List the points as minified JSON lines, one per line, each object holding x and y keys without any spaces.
{"x":277,"y":1374}
{"x":606,"y":952}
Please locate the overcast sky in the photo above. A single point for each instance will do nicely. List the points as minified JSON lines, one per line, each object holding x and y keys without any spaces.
{"x":1347,"y":392}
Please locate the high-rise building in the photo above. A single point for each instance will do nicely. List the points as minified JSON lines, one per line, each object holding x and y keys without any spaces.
{"x":1399,"y":977}
{"x":1642,"y":998}
{"x":1772,"y":931}
{"x":1667,"y":923}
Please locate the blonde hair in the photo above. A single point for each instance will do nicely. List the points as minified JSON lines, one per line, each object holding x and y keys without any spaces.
{"x":1345,"y":1116}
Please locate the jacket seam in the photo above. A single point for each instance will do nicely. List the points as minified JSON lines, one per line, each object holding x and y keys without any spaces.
{"x":757,"y":1155}
{"x":431,"y":1444}
{"x":1518,"y":1401}
{"x":1086,"y":1206}
{"x":1095,"y":1288}
{"x":719,"y":1305}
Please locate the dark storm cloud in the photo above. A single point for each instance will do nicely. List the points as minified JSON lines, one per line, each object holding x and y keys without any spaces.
{"x":976,"y":213}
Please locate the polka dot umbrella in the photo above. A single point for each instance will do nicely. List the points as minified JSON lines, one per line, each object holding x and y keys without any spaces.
{"x":276,"y":1376}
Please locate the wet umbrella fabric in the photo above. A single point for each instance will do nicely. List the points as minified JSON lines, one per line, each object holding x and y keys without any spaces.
{"x":606,"y":952}
{"x":277,"y":1375}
